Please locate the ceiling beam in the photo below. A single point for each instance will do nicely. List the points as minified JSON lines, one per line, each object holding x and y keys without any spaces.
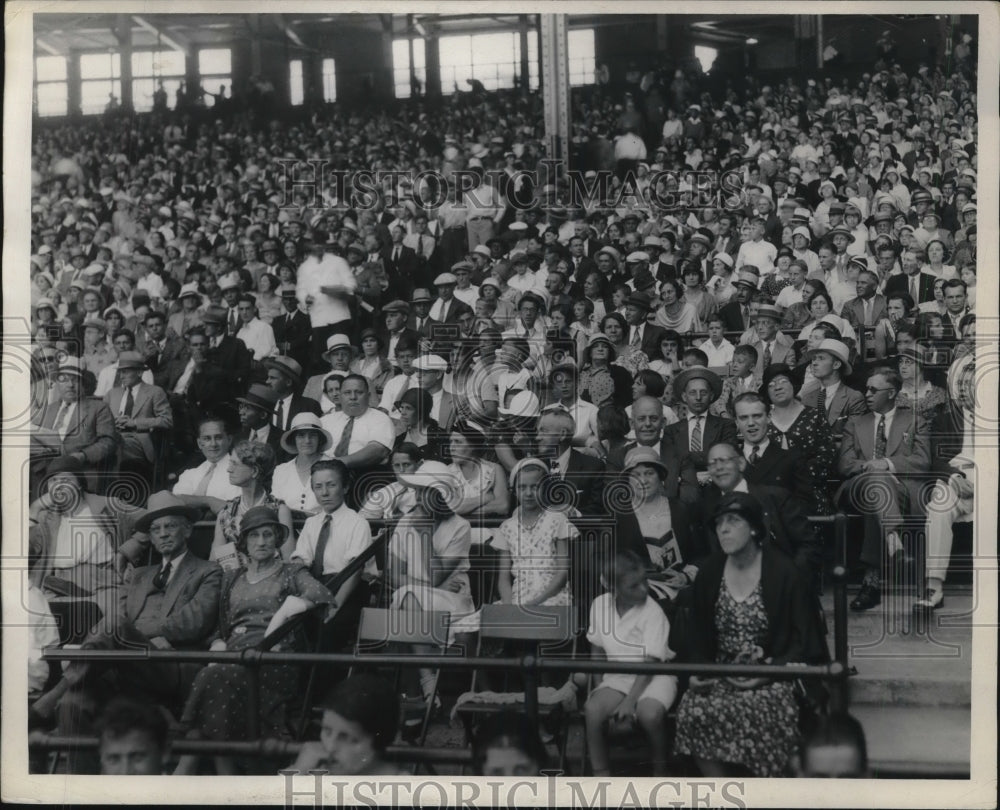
{"x":164,"y":38}
{"x":41,"y":43}
{"x":290,"y":31}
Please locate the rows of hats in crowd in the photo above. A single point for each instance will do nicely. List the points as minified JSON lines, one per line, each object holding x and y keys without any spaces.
{"x":796,"y":323}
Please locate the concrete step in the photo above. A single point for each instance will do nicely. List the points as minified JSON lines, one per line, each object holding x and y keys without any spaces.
{"x":911,"y":742}
{"x":905,"y":660}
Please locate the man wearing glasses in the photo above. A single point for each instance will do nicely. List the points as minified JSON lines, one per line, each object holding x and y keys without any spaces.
{"x":879,"y":452}
{"x":75,"y":425}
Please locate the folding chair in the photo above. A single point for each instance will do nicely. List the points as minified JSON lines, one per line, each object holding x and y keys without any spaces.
{"x":381,"y":627}
{"x":536,"y":625}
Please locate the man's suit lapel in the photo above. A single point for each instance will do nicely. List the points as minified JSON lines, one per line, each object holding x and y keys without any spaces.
{"x":866,"y":435}
{"x":140,"y":591}
{"x":176,"y":584}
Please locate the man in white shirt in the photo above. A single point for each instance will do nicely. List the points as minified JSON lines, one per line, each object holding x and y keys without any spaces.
{"x":430,"y":370}
{"x":257,"y":335}
{"x":792,"y":294}
{"x":124,"y":341}
{"x":326,"y":285}
{"x":406,"y":352}
{"x":331,"y":539}
{"x":362,"y":436}
{"x":757,"y":252}
{"x":466,"y":292}
{"x":207,"y":485}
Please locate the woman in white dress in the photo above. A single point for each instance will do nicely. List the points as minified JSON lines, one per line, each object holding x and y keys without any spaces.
{"x":484,"y":483}
{"x":308,"y":439}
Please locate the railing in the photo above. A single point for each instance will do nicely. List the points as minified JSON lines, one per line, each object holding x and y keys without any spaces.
{"x":529,"y":666}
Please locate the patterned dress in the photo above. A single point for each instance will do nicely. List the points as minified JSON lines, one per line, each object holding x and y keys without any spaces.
{"x":534,"y":563}
{"x":932,"y":400}
{"x":217,"y":705}
{"x":811,"y":435}
{"x":231,"y":515}
{"x":757,"y":728}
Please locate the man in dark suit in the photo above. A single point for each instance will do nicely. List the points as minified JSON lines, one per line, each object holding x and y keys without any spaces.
{"x":194,"y":386}
{"x":284,"y":376}
{"x":419,"y":319}
{"x":684,"y":442}
{"x":172,"y":604}
{"x":395,"y":314}
{"x":881,"y":453}
{"x":161,"y":347}
{"x":648,"y":426}
{"x":227,"y":352}
{"x":256,"y":410}
{"x":447,"y":308}
{"x":401,"y":264}
{"x":736,"y":314}
{"x":138,"y":409}
{"x":583,"y":473}
{"x":292,"y":329}
{"x":767,"y":463}
{"x":787,"y":520}
{"x":581,"y":265}
{"x":76,"y":426}
{"x":919,"y":285}
{"x":641,"y":332}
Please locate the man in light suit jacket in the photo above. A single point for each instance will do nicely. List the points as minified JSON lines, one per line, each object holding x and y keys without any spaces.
{"x":869,"y":307}
{"x":138,"y":410}
{"x":879,"y":457}
{"x":830,"y":364}
{"x":78,"y":426}
{"x":772,"y":345}
{"x":173,"y":604}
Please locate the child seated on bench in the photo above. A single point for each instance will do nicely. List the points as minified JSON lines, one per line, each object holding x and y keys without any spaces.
{"x":627,"y":625}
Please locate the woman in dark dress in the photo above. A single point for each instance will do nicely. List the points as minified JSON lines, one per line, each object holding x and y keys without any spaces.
{"x":253,"y":602}
{"x":750,"y":605}
{"x":416,"y":426}
{"x":795,"y":425}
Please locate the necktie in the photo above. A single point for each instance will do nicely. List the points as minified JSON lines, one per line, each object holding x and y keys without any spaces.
{"x":821,"y":400}
{"x":62,"y":420}
{"x":696,"y":436}
{"x":279,"y":415}
{"x":162,"y":577}
{"x":635,"y":336}
{"x":316,"y":568}
{"x":868,"y":313}
{"x":767,"y":355}
{"x":129,"y":404}
{"x":345,"y":439}
{"x":202,"y":488}
{"x":232,"y":322}
{"x":913,"y":290}
{"x":422,"y":252}
{"x":746,"y":316}
{"x":754,"y":454}
{"x":395,"y":255}
{"x":880,"y":437}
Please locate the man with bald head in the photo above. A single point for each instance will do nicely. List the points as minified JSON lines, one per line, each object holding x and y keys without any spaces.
{"x":584,"y":473}
{"x":648,"y":424}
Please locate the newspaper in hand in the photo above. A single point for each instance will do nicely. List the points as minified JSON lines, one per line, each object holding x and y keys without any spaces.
{"x":226,"y":556}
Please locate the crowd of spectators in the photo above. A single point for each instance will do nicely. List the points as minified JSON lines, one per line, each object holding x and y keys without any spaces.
{"x":762,"y":309}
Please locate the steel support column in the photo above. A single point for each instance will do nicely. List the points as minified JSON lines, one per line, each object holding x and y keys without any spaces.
{"x":555,"y":86}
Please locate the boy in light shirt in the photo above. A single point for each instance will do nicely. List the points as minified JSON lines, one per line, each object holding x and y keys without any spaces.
{"x":717,"y":348}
